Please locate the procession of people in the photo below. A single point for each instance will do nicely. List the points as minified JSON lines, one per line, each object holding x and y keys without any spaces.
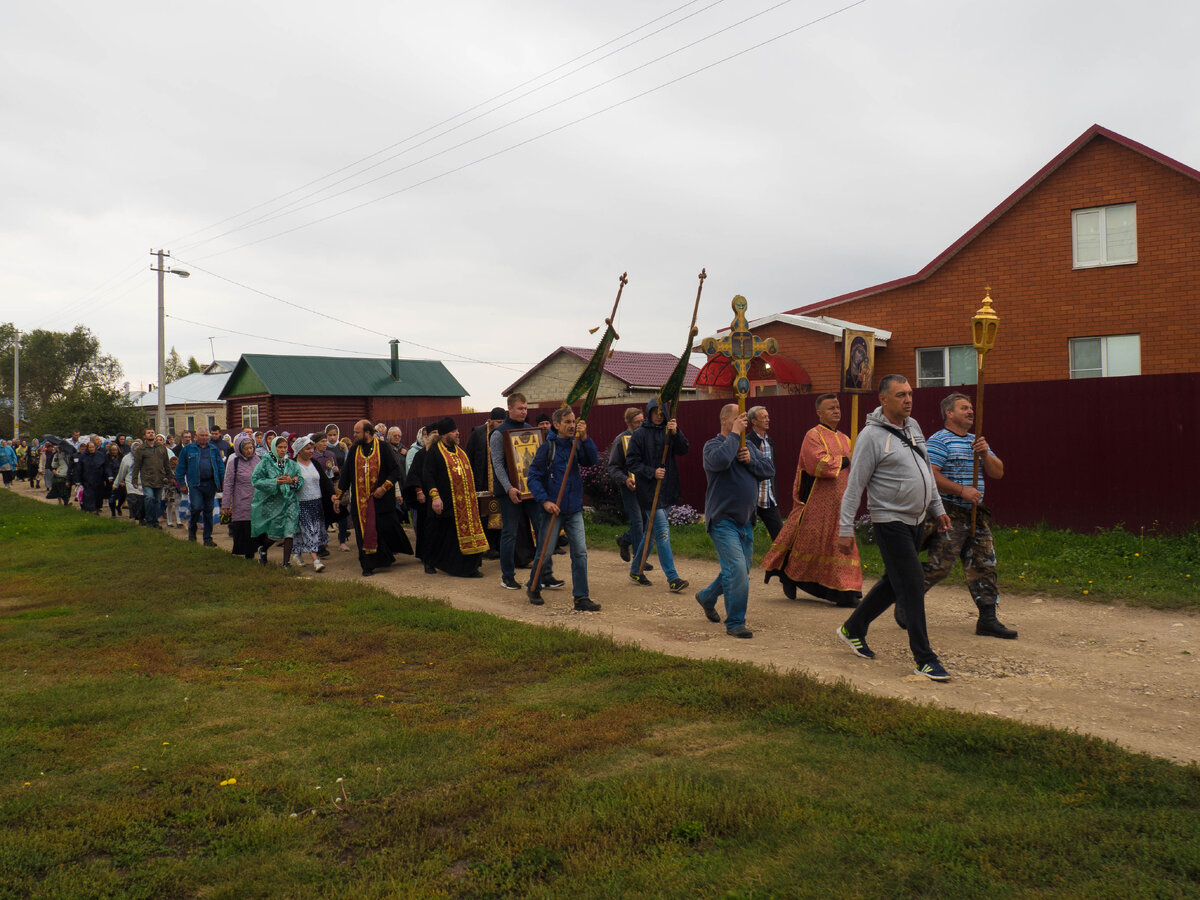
{"x":509,"y":492}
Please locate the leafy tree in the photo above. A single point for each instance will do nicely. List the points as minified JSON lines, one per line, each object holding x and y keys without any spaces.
{"x":193,"y":365}
{"x":99,"y":409}
{"x":55,"y":365}
{"x":175,"y":369}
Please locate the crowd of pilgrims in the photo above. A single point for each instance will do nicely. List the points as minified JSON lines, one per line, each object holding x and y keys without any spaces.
{"x":291,"y":489}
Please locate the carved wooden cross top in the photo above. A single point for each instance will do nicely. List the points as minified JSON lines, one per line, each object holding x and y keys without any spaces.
{"x":740,"y":348}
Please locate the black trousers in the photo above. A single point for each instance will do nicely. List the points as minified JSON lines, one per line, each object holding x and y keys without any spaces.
{"x":903,"y":582}
{"x":769,"y":516}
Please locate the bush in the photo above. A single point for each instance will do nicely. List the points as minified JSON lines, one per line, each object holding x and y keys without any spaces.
{"x":602,"y":495}
{"x":683,"y":515}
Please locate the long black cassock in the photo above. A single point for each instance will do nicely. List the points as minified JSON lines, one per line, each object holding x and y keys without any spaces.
{"x":376,"y":523}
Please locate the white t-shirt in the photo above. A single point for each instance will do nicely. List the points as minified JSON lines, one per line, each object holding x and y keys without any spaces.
{"x":311,"y":488}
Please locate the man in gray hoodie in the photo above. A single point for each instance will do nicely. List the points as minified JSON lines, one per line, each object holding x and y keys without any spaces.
{"x":890,"y":461}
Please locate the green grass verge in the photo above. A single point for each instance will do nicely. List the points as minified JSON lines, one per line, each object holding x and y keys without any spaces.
{"x":177,"y":723}
{"x":1157,"y":570}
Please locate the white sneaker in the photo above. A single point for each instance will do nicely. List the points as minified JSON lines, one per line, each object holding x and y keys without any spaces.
{"x":297,"y":561}
{"x":318,"y":566}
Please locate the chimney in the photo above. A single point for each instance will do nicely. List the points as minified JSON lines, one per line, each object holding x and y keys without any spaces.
{"x":395,"y":344}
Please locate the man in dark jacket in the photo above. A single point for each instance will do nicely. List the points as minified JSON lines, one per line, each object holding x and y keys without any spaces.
{"x":734,"y":474}
{"x":626,"y":482}
{"x":546,"y":480}
{"x":651,"y":459}
{"x":200,"y":469}
{"x":152,"y":468}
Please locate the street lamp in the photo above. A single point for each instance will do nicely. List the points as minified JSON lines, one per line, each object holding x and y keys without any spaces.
{"x":162,"y":270}
{"x":984,"y":325}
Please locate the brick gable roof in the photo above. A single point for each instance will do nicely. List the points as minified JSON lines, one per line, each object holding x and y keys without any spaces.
{"x":1096,"y":131}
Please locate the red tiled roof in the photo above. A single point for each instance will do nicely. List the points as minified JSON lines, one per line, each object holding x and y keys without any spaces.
{"x":1009,"y":202}
{"x":640,"y":370}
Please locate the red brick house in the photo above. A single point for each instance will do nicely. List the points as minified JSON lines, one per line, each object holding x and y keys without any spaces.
{"x":306,"y":393}
{"x":1093,"y":265}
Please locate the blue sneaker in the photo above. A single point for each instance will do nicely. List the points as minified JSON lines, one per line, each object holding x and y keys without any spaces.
{"x":855,"y":643}
{"x":933,"y":671}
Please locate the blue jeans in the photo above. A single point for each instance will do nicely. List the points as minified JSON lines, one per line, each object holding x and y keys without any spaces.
{"x":510,"y":518}
{"x":152,"y":498}
{"x":660,"y":532}
{"x":735,"y":550}
{"x":636,"y":516}
{"x":573,"y":525}
{"x":200,"y":499}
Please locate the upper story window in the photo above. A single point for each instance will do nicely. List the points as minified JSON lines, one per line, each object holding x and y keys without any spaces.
{"x":943,"y":366}
{"x":1106,"y":357}
{"x":1104,"y":235}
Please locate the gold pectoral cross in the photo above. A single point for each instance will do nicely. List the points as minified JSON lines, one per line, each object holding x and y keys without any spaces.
{"x":740,"y":348}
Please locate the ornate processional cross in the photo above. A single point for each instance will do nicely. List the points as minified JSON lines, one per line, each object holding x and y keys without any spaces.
{"x":740,"y":348}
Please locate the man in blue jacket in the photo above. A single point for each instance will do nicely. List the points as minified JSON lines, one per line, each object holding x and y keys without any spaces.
{"x":546,"y":477}
{"x":200,"y":468}
{"x":734,"y":473}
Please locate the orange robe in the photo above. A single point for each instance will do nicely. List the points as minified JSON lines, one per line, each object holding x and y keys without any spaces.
{"x":804,"y":554}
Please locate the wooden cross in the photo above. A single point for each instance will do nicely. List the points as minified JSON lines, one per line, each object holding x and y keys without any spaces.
{"x":740,"y":348}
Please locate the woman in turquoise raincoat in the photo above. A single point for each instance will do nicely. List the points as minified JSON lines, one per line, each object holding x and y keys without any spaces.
{"x":275,"y":510}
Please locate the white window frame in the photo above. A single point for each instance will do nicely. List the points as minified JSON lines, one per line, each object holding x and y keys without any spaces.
{"x":1104,"y":259}
{"x":945,"y":380}
{"x":1103,"y":340}
{"x":191,"y":424}
{"x":250,"y":416}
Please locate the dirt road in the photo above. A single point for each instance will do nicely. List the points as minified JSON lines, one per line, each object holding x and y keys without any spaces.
{"x":1127,"y":674}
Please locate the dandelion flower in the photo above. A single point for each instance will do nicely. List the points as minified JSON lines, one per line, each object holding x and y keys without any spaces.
{"x":379,"y":696}
{"x":166,"y":743}
{"x":1085,"y":590}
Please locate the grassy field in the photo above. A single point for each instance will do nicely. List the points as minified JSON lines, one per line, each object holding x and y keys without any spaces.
{"x":1157,"y":570}
{"x":177,"y":723}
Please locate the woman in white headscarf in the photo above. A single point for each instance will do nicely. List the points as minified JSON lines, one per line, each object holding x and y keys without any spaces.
{"x":314,"y":488}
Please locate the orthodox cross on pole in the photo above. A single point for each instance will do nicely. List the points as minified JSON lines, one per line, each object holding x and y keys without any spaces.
{"x":740,"y":348}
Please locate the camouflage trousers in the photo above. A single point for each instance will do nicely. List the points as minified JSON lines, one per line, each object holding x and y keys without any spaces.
{"x":977,"y":554}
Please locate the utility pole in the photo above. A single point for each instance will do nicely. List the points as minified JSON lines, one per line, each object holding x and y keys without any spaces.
{"x":160,"y":424}
{"x":17,"y":386}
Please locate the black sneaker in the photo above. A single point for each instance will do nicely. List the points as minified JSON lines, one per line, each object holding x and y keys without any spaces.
{"x":710,"y":612}
{"x":323,"y":553}
{"x":509,"y":582}
{"x":933,"y":671}
{"x":639,"y":579}
{"x":192,"y":537}
{"x":624,"y":548}
{"x":855,"y":643}
{"x":741,"y":631}
{"x":584,"y":604}
{"x":676,"y":585}
{"x":210,"y":543}
{"x":552,"y":582}
{"x":647,"y":568}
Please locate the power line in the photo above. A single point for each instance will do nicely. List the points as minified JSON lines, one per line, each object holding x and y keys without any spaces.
{"x":325,"y":315}
{"x":447,"y":121}
{"x":261,"y":337}
{"x":291,"y":208}
{"x":548,"y":133}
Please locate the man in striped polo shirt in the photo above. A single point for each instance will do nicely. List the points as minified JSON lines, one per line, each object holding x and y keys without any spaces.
{"x":952,"y":454}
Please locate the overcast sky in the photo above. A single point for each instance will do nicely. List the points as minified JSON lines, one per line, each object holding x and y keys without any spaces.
{"x":848,"y":152}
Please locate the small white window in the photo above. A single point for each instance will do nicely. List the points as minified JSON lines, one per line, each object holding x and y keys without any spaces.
{"x":1104,"y":236}
{"x":943,"y":366}
{"x":250,"y":416}
{"x":1106,"y":357}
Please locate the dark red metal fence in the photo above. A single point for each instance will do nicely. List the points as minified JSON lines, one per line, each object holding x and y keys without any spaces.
{"x":1084,"y":454}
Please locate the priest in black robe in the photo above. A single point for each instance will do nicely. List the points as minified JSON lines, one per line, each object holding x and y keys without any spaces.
{"x":478,"y":452}
{"x":367,"y":485}
{"x":415,"y":496}
{"x":456,"y":541}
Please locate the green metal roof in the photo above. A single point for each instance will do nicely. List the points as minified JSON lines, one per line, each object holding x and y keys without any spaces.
{"x":332,"y":376}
